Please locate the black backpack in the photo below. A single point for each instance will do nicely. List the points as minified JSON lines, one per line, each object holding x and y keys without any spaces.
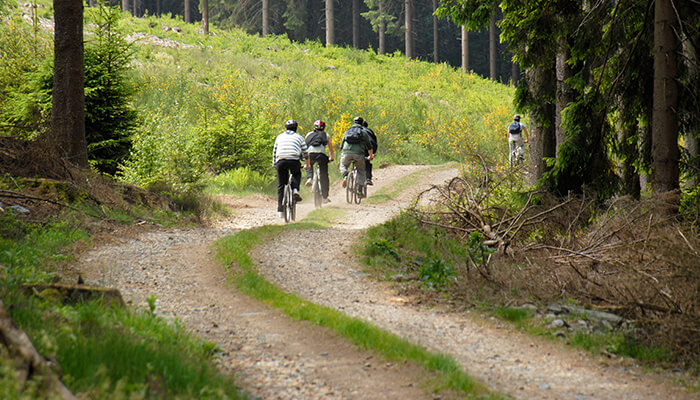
{"x":317,"y":138}
{"x":514,"y":128}
{"x":353,"y":135}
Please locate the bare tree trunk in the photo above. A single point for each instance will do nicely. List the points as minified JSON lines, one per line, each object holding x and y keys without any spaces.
{"x":565,"y":93}
{"x":465,"y":49}
{"x":665,"y":152}
{"x":356,"y":24}
{"x":68,"y":100}
{"x":382,"y":29}
{"x":159,"y":8}
{"x":409,"y":28}
{"x":265,"y":17}
{"x":187,"y":15}
{"x":493,"y":43}
{"x":205,"y":17}
{"x":515,"y":73}
{"x":542,"y":135}
{"x":330,"y":23}
{"x":436,"y":56}
{"x":691,"y":139}
{"x":125,"y":5}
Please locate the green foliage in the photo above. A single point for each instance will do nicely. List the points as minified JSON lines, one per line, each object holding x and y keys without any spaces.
{"x":25,"y":249}
{"x":514,"y":315}
{"x":241,"y":181}
{"x":435,"y":273}
{"x":110,"y":118}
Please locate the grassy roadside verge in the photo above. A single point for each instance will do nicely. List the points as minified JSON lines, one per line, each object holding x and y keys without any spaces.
{"x":391,"y":191}
{"x":234,"y":252}
{"x":103,"y":351}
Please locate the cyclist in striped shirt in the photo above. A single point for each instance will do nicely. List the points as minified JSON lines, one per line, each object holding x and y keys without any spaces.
{"x":290,"y":148}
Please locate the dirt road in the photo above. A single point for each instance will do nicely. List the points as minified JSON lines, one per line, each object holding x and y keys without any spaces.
{"x":277,"y":358}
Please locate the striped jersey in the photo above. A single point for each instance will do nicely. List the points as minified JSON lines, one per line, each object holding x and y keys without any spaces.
{"x":289,"y":145}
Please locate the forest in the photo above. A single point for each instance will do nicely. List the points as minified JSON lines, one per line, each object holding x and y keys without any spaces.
{"x":145,"y":114}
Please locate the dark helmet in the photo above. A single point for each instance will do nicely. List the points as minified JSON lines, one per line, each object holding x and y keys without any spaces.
{"x":365,"y":124}
{"x":319,"y":125}
{"x":291,"y":125}
{"x":516,"y":117}
{"x":358,"y":120}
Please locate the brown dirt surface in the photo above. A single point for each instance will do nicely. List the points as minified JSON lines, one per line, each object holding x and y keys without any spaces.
{"x":274,"y":357}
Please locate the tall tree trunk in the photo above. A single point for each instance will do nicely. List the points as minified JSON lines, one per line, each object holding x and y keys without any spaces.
{"x":515,"y":73}
{"x":187,"y":16}
{"x":330,"y":23}
{"x":409,"y":28}
{"x":382,"y":29}
{"x":159,"y":8}
{"x":205,"y":17}
{"x":68,"y":99}
{"x":565,"y":93}
{"x":265,"y":17}
{"x":465,"y":49}
{"x":436,"y":56}
{"x":493,"y":43}
{"x":692,"y":139}
{"x":138,"y":8}
{"x":356,"y":24}
{"x":125,"y":5}
{"x":665,"y":152}
{"x":542,"y":136}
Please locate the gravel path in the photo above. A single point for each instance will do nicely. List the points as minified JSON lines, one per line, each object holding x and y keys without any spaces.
{"x":277,"y":358}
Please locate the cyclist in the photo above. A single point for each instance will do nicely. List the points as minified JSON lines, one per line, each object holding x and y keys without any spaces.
{"x":515,"y":135}
{"x":356,"y":141}
{"x":290,"y":148}
{"x":368,"y":164}
{"x":317,"y":140}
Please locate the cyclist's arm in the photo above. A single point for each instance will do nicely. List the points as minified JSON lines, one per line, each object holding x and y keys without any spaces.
{"x":527,"y":135}
{"x":330,"y":149}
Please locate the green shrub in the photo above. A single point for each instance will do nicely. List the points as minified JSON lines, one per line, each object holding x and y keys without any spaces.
{"x":435,"y":273}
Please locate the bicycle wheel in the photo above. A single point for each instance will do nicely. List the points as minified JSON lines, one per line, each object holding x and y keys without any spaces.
{"x":357,"y":190}
{"x":286,"y":200}
{"x":316,"y":187}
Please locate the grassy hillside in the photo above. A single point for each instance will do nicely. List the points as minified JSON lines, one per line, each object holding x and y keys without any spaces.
{"x":202,"y":95}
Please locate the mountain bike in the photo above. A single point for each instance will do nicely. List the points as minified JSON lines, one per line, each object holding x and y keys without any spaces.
{"x":316,"y":186}
{"x":288,"y":202}
{"x":354,"y":191}
{"x":517,"y":156}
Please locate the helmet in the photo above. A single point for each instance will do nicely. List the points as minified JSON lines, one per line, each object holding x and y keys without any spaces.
{"x":516,"y":117}
{"x":291,"y":125}
{"x":319,"y":125}
{"x":365,"y":124}
{"x":358,"y":120}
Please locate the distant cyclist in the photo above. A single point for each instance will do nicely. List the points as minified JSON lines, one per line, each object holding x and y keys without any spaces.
{"x":368,"y":165}
{"x":290,"y":148}
{"x":515,"y":135}
{"x":356,"y":141}
{"x":318,"y":140}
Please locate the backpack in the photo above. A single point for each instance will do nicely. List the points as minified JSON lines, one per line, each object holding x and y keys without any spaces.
{"x":317,"y":138}
{"x":514,"y":128}
{"x":353,"y":135}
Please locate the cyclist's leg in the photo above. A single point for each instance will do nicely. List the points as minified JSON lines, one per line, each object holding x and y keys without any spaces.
{"x":361,"y":169}
{"x":344,"y":163}
{"x":282,"y":176}
{"x":323,"y":169}
{"x":368,"y":169}
{"x":295,"y":169}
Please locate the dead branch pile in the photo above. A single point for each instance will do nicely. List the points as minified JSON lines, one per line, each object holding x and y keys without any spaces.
{"x":630,"y":258}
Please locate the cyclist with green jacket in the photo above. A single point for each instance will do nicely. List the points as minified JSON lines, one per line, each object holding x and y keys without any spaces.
{"x":356,"y":142}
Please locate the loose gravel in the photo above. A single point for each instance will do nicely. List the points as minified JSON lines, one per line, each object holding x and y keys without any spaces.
{"x":274,"y":357}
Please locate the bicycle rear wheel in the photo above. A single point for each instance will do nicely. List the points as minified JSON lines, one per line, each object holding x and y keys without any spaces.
{"x":357,"y":189}
{"x":350,"y":188}
{"x":316,"y":188}
{"x":286,"y":202}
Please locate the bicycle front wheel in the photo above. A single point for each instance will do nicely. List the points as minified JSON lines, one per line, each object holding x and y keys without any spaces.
{"x":357,"y":190}
{"x":316,"y":188}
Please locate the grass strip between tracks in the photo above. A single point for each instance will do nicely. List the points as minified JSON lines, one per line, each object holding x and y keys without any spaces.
{"x":234,"y":252}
